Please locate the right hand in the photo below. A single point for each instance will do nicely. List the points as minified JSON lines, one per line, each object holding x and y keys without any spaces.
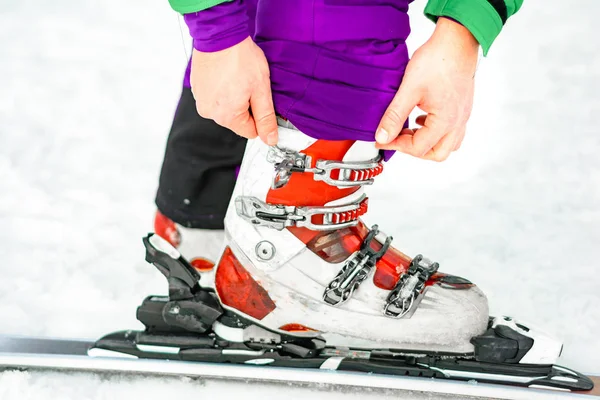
{"x":227,"y":84}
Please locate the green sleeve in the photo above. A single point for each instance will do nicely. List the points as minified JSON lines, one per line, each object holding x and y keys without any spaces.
{"x":190,"y":6}
{"x":483,"y":18}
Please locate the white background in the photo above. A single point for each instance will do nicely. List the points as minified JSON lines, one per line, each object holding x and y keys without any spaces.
{"x":87,"y":93}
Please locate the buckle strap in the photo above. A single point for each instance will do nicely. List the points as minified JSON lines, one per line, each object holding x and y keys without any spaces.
{"x":280,"y":217}
{"x":410,"y":287}
{"x":355,"y":270}
{"x":334,"y":173}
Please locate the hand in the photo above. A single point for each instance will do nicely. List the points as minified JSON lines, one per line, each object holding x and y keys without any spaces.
{"x":227,"y":84}
{"x":439,"y":79}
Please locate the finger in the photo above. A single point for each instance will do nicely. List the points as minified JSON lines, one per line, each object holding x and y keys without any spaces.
{"x":421,"y":120}
{"x":442,"y":150}
{"x":446,"y":146}
{"x":397,"y":113}
{"x":263,"y":112}
{"x":423,"y":139}
{"x":242,"y":124}
{"x":417,"y":144}
{"x":408,"y":131}
{"x":403,"y":132}
{"x":460,"y":138}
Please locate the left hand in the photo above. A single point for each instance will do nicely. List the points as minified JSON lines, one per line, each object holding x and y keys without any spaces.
{"x":439,"y":79}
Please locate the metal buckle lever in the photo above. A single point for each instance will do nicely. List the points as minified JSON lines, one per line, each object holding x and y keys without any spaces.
{"x":350,"y":173}
{"x":356,"y":269}
{"x":286,"y":162}
{"x":280,"y":217}
{"x":404,"y":296}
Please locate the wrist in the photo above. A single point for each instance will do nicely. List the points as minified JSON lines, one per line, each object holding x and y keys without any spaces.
{"x":219,"y":27}
{"x":457,"y":34}
{"x":480,"y":17}
{"x":217,"y":44}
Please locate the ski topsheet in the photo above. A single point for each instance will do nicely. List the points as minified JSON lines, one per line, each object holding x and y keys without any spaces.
{"x":29,"y":353}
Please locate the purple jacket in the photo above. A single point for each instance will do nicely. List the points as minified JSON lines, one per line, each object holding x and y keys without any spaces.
{"x":335,"y":64}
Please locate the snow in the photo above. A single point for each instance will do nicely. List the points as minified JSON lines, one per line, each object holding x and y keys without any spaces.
{"x":87,"y":91}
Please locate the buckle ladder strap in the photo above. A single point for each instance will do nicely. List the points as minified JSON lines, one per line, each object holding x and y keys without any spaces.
{"x":334,"y":173}
{"x":410,"y":286}
{"x":355,"y":270}
{"x":279,"y":217}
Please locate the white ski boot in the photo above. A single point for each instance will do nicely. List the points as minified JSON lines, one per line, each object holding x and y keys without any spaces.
{"x":301,"y":282}
{"x":199,"y":246}
{"x":298,"y":261}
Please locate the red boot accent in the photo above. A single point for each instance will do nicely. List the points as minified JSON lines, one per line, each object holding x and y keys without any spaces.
{"x":166,"y":229}
{"x":302,"y":189}
{"x":296,"y":328}
{"x":202,"y":264}
{"x":335,"y":246}
{"x":389,"y":268}
{"x":239,"y":290}
{"x":447,"y":280}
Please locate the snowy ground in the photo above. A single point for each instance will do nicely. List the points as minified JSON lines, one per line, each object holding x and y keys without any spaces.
{"x":87,"y":90}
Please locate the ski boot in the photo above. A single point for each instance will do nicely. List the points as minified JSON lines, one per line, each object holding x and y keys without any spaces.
{"x":302,"y":282}
{"x":199,"y":246}
{"x":299,"y":261}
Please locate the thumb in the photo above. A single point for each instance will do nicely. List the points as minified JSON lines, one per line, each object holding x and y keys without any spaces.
{"x":263,"y":112}
{"x":242,"y":124}
{"x":396,"y":114}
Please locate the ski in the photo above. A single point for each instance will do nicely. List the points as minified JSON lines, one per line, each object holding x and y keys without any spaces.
{"x":188,"y":333}
{"x":31,"y":353}
{"x":190,"y":325}
{"x":314,"y":354}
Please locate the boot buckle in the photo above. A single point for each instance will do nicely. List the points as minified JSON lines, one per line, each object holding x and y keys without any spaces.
{"x":286,"y":162}
{"x":348,"y":173}
{"x":355,"y":270}
{"x":334,"y":173}
{"x":279,"y":217}
{"x":409,"y":289}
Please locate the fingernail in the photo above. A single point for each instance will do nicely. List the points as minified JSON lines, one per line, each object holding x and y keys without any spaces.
{"x":272,"y":139}
{"x":382,"y":136}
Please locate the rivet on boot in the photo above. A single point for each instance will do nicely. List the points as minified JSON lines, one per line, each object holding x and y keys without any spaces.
{"x":265,"y":250}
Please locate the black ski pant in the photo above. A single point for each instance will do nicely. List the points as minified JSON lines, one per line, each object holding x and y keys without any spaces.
{"x":199,"y":168}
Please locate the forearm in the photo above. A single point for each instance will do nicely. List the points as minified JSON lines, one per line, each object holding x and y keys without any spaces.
{"x":485,"y":19}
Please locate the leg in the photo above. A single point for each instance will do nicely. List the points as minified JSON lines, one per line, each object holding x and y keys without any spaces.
{"x":201,"y":163}
{"x":197,"y":176}
{"x":297,"y":258}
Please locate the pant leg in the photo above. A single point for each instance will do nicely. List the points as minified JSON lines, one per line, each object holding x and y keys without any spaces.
{"x":201,"y":162}
{"x":199,"y":168}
